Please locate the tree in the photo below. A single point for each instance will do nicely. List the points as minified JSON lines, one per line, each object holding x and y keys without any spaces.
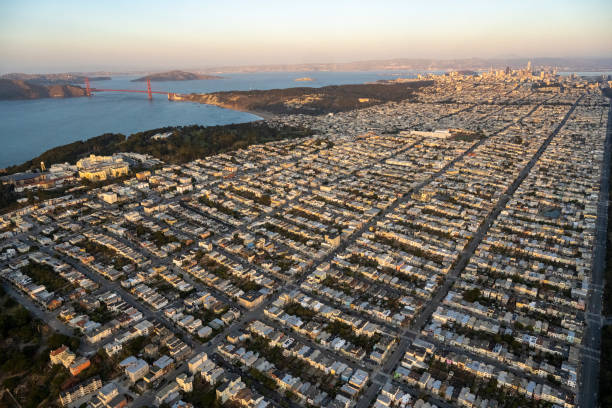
{"x":7,"y":195}
{"x":471,"y":295}
{"x":266,"y":200}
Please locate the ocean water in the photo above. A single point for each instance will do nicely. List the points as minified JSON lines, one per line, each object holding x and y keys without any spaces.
{"x":28,"y":128}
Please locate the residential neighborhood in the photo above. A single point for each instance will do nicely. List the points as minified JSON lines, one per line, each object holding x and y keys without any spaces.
{"x":433,"y":252}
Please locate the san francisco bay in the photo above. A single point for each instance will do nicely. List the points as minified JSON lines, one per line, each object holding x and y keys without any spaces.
{"x":29,"y":127}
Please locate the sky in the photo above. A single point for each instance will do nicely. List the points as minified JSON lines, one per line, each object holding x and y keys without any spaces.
{"x":61,"y":35}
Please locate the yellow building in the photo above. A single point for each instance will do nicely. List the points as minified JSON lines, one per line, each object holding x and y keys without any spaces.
{"x":97,"y":168}
{"x":62,"y":356}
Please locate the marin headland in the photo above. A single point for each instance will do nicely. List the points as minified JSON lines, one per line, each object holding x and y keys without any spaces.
{"x":210,"y":219}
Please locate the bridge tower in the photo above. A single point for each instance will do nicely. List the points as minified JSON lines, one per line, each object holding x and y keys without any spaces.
{"x":149,"y":90}
{"x":87,"y":87}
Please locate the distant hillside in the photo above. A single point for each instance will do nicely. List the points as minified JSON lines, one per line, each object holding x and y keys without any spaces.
{"x":175,"y":76}
{"x":11,"y":89}
{"x":422,"y":64}
{"x":53,"y":79}
{"x":311,"y":101}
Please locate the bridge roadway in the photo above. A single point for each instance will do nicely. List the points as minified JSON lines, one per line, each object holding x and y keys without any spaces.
{"x":130,"y":90}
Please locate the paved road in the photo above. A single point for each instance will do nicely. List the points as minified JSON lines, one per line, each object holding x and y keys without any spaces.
{"x":410,"y":334}
{"x":325,"y":351}
{"x":210,"y":346}
{"x":589,"y":387}
{"x":115,"y":287}
{"x":444,"y":347}
{"x":36,"y":309}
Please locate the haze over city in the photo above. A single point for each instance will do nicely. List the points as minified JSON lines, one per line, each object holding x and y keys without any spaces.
{"x":317,"y":204}
{"x":43,"y":36}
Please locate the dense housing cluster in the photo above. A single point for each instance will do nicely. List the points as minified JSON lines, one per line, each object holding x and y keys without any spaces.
{"x":381,"y":262}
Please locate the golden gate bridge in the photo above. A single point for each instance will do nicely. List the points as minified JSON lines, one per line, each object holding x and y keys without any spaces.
{"x":148,"y":91}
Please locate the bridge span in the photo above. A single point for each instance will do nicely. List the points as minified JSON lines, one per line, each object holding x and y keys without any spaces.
{"x":148,"y":91}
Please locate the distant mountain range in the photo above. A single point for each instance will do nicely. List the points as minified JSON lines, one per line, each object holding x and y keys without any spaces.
{"x":397,"y":64}
{"x":175,"y":76}
{"x":31,"y":86}
{"x":421,"y":64}
{"x":53,"y":79}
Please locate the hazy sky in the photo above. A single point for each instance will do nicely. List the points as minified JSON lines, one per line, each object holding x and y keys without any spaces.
{"x":58,"y":35}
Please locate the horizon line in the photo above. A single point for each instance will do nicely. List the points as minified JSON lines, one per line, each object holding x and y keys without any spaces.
{"x":607,"y":60}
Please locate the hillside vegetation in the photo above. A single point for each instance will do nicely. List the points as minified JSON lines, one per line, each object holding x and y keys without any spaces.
{"x":25,"y":371}
{"x":186,"y":143}
{"x":311,"y":101}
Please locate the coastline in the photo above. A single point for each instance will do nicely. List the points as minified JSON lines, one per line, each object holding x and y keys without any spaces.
{"x":41,"y":132}
{"x":262,"y":114}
